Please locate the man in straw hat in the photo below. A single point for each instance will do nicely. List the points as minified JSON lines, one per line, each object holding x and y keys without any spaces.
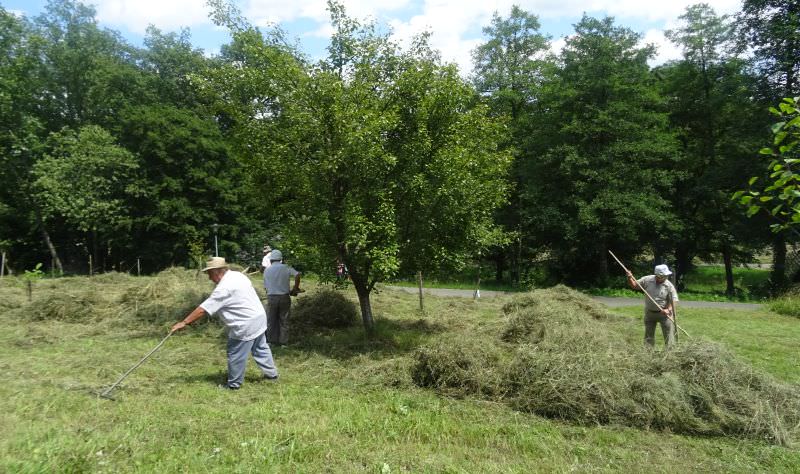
{"x":663,"y":292}
{"x":240,"y":310}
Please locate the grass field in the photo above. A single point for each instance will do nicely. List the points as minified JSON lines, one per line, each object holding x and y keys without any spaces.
{"x":704,"y":283}
{"x":344,"y":403}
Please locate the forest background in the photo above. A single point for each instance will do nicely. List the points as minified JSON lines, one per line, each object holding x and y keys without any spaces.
{"x":386,"y":158}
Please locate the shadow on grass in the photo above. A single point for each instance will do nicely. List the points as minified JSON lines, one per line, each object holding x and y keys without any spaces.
{"x":390,"y":338}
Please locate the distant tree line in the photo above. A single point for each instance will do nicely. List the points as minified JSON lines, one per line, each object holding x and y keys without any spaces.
{"x":387,"y":158}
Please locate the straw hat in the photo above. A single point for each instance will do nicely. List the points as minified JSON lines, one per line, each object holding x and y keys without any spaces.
{"x":215,"y":262}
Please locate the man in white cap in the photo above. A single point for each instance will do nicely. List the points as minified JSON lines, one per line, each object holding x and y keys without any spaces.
{"x":279,"y":301}
{"x":265,"y":263}
{"x":240,"y":310}
{"x":663,"y":292}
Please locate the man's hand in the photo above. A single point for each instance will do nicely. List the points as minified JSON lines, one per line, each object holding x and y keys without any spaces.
{"x":296,"y":291}
{"x":177,"y":326}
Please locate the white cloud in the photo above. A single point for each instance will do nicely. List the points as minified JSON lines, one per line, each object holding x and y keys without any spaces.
{"x":666,"y":50}
{"x":136,"y":15}
{"x":455,"y":24}
{"x":263,"y":12}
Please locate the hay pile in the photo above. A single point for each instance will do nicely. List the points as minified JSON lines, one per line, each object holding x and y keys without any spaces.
{"x":116,"y":297}
{"x":167,"y":297}
{"x":568,"y":359}
{"x":325,"y":308}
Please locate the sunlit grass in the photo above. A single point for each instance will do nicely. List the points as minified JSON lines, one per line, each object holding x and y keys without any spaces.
{"x":344,"y":403}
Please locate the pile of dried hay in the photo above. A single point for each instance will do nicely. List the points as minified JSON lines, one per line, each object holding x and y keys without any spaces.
{"x":168,"y":296}
{"x":570,"y":360}
{"x":325,"y":308}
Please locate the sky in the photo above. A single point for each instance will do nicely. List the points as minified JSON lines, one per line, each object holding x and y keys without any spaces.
{"x":455,"y":24}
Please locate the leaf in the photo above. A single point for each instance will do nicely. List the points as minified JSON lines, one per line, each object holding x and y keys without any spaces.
{"x":753,"y":180}
{"x":765,"y":151}
{"x":752,"y":210}
{"x":765,"y":198}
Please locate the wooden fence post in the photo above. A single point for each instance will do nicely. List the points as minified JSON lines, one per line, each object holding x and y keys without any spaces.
{"x":419,"y":280}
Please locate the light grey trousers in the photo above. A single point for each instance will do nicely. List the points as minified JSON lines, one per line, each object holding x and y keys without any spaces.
{"x":237,"y":359}
{"x":651,"y":318}
{"x":278,"y":307}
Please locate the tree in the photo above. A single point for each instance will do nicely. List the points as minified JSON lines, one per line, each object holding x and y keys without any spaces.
{"x":190,"y":181}
{"x":780,"y":195}
{"x":772,"y":29}
{"x":508,"y":74}
{"x":711,"y":108}
{"x":602,"y":157}
{"x":87,"y":181}
{"x":370,"y":156}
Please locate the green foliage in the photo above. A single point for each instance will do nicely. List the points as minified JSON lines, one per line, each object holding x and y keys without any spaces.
{"x":87,"y":180}
{"x":780,"y":195}
{"x":33,"y":275}
{"x":770,"y":29}
{"x":374,"y":156}
{"x":716,"y":119}
{"x":603,"y":159}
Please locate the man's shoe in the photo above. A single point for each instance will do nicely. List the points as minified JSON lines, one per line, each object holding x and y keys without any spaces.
{"x":224,"y":386}
{"x":270,"y":378}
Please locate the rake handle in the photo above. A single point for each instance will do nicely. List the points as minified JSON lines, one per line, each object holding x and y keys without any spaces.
{"x":105,"y":394}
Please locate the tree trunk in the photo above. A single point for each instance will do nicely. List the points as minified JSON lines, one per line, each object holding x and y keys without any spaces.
{"x":49,"y":243}
{"x":363,"y":291}
{"x":683,"y":264}
{"x":499,"y":266}
{"x":778,"y":277}
{"x":726,"y":257}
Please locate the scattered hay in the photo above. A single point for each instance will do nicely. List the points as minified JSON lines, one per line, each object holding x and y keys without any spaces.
{"x":459,"y":368}
{"x":325,"y":308}
{"x":570,"y":360}
{"x":169,"y":296}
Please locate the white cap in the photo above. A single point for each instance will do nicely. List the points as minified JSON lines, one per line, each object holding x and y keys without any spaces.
{"x":662,"y":270}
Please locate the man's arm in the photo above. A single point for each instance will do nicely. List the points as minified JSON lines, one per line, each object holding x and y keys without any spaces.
{"x":296,"y":288}
{"x":631,"y":281}
{"x":193,"y":316}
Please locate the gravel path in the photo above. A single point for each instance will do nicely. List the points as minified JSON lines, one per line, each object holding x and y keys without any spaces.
{"x":613,"y":302}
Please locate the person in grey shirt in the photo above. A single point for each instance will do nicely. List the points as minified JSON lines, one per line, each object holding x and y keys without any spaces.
{"x":240,"y":310}
{"x":279,"y":301}
{"x":663,"y":292}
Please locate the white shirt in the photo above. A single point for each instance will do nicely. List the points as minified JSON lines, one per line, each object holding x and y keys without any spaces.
{"x":239,"y":308}
{"x":276,"y":278}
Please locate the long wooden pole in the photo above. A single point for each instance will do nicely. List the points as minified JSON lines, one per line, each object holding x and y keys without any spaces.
{"x":107,"y":392}
{"x":647,"y":294}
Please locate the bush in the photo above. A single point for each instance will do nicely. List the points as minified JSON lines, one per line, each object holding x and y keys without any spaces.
{"x":325,"y":308}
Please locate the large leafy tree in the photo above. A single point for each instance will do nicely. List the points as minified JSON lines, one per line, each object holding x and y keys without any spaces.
{"x":600,"y":171}
{"x":374,"y":156}
{"x":85,"y":182}
{"x":190,"y":182}
{"x":509,"y":70}
{"x":710,"y":101}
{"x":772,"y":29}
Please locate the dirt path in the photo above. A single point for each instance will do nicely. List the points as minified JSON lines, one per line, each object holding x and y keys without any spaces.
{"x":613,"y":302}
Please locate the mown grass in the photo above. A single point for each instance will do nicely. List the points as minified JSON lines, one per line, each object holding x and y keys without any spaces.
{"x":344,"y":403}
